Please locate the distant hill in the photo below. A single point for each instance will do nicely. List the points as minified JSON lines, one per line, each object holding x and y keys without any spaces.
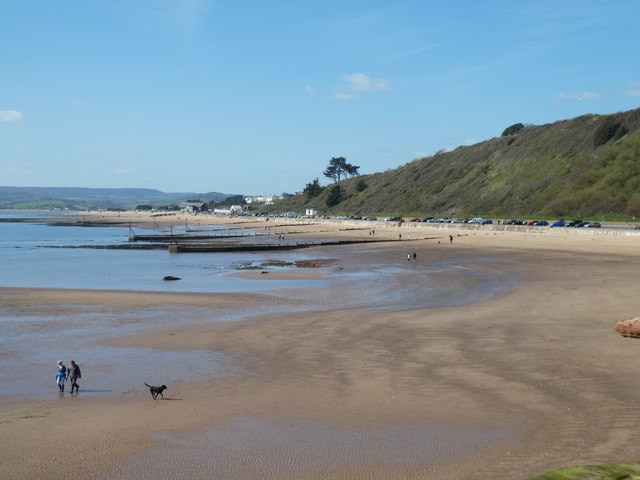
{"x":586,"y":166}
{"x":93,"y":198}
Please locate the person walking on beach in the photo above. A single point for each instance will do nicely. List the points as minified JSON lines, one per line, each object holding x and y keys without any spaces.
{"x":61,"y":375}
{"x":74,"y":375}
{"x":409,"y":257}
{"x":414,"y":255}
{"x":450,"y":238}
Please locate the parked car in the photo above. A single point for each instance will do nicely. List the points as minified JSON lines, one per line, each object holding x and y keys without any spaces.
{"x":592,"y":225}
{"x":415,"y":219}
{"x":541,"y":223}
{"x":392,"y":219}
{"x":514,"y":222}
{"x":458,"y":220}
{"x":371,"y":219}
{"x":574,"y":223}
{"x":426,"y":219}
{"x":486,"y":221}
{"x":559,"y":223}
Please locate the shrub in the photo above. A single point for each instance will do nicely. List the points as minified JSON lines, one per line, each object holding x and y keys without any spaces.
{"x":513,"y":129}
{"x":334,"y":197}
{"x":606,"y":131}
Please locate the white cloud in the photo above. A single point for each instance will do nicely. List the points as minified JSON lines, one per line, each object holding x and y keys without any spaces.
{"x":10,"y":116}
{"x":632,"y":89}
{"x":310,"y":89}
{"x":577,"y":96}
{"x":359,"y":82}
{"x":355,"y":84}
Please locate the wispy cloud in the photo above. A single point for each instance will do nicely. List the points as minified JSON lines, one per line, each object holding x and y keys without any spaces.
{"x":632,"y":89}
{"x":563,"y":96}
{"x":355,"y":84}
{"x":416,"y":51}
{"x":10,"y":116}
{"x":187,"y":15}
{"x":82,"y":104}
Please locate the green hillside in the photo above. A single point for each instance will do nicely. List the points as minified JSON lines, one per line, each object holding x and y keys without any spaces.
{"x":582,"y":167}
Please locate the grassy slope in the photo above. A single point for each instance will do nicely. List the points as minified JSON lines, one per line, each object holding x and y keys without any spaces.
{"x":552,"y":170}
{"x":594,"y":472}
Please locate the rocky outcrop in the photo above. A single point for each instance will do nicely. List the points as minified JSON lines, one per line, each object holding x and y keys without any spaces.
{"x":628,"y":328}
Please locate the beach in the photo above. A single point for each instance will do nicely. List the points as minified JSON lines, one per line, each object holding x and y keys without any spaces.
{"x":525,"y":378}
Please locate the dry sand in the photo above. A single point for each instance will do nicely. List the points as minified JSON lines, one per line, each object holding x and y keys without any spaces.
{"x":505,"y":388}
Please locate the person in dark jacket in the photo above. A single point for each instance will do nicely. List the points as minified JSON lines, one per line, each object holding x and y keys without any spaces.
{"x":74,"y":375}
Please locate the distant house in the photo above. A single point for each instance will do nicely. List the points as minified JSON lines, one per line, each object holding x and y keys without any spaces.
{"x":235,"y":209}
{"x":193,"y":207}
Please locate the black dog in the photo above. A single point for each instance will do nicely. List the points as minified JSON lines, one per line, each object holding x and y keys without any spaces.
{"x":155,"y":391}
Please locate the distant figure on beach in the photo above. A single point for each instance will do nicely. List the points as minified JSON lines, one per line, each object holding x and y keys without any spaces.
{"x":414,"y":255}
{"x":61,"y":375}
{"x":409,"y":257}
{"x":450,"y":238}
{"x":399,"y":236}
{"x":74,"y":375}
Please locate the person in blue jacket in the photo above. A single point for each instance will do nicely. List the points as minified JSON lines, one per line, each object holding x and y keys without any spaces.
{"x":61,"y":375}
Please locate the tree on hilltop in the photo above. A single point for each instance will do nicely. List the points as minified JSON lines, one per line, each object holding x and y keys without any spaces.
{"x":338,"y":167}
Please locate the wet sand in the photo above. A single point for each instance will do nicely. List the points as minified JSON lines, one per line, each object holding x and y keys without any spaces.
{"x":506,"y":387}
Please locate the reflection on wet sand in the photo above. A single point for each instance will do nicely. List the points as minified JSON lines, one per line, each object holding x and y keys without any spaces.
{"x":249,"y":447}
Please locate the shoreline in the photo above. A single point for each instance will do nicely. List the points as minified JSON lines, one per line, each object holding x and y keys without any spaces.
{"x":540,"y":366}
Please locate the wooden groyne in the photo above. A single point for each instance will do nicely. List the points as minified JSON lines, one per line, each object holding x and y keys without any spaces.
{"x":204,"y":248}
{"x":223,"y":247}
{"x":184,"y":237}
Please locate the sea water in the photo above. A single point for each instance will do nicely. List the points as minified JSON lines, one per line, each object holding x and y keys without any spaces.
{"x":31,"y":257}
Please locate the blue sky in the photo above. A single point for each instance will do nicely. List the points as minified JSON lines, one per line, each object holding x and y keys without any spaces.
{"x":255,"y":97}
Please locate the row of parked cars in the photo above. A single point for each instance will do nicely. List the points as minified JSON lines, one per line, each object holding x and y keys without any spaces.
{"x":481,"y":221}
{"x":557,"y":223}
{"x":477,"y":221}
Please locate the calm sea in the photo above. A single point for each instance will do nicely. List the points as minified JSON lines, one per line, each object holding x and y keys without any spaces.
{"x":29,"y":259}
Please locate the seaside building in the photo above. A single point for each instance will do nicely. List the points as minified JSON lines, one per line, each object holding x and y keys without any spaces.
{"x":194,"y":207}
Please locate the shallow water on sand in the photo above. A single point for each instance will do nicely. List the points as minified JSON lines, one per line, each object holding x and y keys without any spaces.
{"x":254,"y":448}
{"x":31,"y":344}
{"x":33,"y":340}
